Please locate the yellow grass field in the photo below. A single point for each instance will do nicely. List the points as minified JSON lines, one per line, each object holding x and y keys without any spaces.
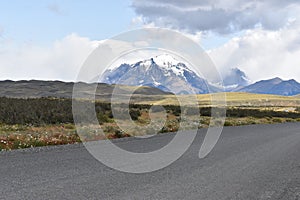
{"x":232,"y":99}
{"x":242,"y":109}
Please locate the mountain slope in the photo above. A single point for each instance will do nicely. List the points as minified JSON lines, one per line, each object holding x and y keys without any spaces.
{"x":37,"y":89}
{"x":163,"y":72}
{"x":235,"y":79}
{"x":275,"y":86}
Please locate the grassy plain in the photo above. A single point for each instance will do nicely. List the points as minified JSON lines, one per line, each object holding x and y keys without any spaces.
{"x":242,"y":109}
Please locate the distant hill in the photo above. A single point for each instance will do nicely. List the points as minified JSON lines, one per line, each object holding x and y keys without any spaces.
{"x":275,"y":86}
{"x":59,"y":89}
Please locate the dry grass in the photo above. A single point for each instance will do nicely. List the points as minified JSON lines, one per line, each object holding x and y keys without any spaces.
{"x":18,"y":136}
{"x":232,"y":99}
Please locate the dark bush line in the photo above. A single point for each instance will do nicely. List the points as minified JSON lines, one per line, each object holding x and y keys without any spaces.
{"x":35,"y":111}
{"x":237,"y":112}
{"x":54,"y":111}
{"x":39,"y":111}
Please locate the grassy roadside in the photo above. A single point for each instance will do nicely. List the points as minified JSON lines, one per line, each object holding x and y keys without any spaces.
{"x":28,"y":136}
{"x":26,"y":123}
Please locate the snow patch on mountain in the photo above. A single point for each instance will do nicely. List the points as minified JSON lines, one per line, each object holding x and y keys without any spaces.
{"x":234,"y":79}
{"x":162,"y":71}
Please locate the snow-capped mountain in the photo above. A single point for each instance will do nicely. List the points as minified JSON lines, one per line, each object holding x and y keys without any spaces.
{"x":163,"y":72}
{"x":168,"y":74}
{"x":235,"y":79}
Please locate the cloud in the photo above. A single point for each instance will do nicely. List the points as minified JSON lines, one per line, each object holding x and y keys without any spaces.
{"x":54,"y":8}
{"x":61,"y":61}
{"x":1,"y":31}
{"x":262,"y":53}
{"x":222,"y":16}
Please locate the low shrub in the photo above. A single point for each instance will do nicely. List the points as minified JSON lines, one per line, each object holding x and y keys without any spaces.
{"x":277,"y":120}
{"x":69,"y":126}
{"x":228,"y":123}
{"x":135,"y":114}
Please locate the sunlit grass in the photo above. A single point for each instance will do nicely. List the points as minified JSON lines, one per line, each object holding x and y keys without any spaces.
{"x":245,"y":109}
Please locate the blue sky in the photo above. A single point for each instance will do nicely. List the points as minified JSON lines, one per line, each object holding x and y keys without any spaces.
{"x":45,"y":21}
{"x":50,"y":39}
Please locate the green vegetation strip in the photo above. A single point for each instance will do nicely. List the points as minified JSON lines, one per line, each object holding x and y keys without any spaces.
{"x":28,"y":123}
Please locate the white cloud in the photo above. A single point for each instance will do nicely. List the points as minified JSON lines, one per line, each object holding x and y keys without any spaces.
{"x":61,"y":61}
{"x":222,"y":16}
{"x":262,"y":53}
{"x":270,"y":46}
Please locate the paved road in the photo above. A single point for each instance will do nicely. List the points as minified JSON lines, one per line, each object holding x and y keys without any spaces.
{"x":250,"y":162}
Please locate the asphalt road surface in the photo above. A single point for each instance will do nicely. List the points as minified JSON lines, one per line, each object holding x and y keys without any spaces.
{"x":249,"y":162}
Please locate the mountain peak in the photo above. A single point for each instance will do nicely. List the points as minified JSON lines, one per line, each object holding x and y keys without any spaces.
{"x":292,"y":81}
{"x":237,"y":70}
{"x":163,"y":71}
{"x":163,"y":60}
{"x":276,"y":79}
{"x":235,"y":78}
{"x":169,"y":74}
